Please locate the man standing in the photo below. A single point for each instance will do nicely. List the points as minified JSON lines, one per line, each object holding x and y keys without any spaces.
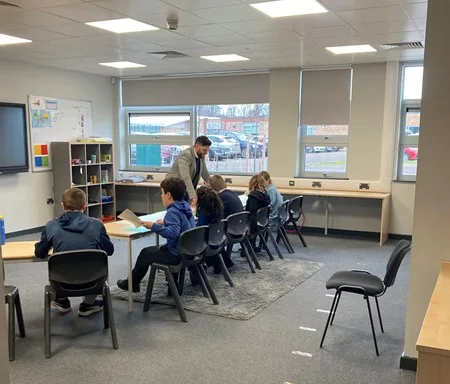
{"x":190,"y":165}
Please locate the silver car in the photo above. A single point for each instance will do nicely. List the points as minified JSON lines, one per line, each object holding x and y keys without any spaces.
{"x":223,"y":147}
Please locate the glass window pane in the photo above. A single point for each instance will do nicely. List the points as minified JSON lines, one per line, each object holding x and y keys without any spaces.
{"x":412,"y":83}
{"x":239,"y":135}
{"x":325,"y":130}
{"x":412,"y":122}
{"x":154,"y":155}
{"x":325,"y":159}
{"x":409,"y":163}
{"x":158,"y":124}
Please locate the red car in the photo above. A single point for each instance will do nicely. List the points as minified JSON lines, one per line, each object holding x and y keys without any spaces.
{"x":410,"y":153}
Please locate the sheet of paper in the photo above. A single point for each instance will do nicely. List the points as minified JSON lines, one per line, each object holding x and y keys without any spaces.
{"x":131,"y":217}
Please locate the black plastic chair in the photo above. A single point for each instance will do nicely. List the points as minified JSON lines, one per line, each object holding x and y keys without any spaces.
{"x":192,"y":246}
{"x":295,"y":209}
{"x":216,"y":244}
{"x":74,"y":274}
{"x":365,"y":284}
{"x":264,"y":232}
{"x":283,"y":217}
{"x":237,"y":233}
{"x":12,"y":299}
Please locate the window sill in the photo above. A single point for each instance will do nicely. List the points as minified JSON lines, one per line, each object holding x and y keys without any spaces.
{"x":404,"y":181}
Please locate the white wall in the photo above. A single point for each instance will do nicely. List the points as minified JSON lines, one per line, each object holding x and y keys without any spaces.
{"x":24,"y":195}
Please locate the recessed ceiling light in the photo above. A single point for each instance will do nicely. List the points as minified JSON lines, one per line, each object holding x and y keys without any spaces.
{"x":351,"y":49}
{"x":224,"y":58}
{"x":123,"y":64}
{"x":122,"y":25}
{"x":282,"y":8}
{"x":8,"y":40}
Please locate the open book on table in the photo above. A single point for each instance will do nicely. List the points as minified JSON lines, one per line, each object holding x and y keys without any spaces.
{"x":131,"y":217}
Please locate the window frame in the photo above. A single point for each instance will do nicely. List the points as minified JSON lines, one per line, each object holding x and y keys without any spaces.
{"x":321,"y":141}
{"x":155,"y":139}
{"x":403,"y":140}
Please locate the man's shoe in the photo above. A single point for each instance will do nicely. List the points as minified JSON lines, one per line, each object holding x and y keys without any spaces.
{"x":123,"y":284}
{"x":63,"y":305}
{"x":88,"y":309}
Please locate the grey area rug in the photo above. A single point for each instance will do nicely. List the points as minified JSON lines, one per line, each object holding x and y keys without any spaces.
{"x":251,"y":294}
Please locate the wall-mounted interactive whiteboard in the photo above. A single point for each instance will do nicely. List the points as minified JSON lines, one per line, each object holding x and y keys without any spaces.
{"x":55,"y":120}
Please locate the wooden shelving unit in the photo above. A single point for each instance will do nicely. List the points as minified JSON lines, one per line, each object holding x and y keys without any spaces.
{"x":90,"y":167}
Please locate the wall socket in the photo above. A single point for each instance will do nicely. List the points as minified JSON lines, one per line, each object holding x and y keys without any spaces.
{"x":317,"y":184}
{"x":149,"y":177}
{"x":364,"y":186}
{"x":50,"y":200}
{"x":291,"y":183}
{"x":228,"y":180}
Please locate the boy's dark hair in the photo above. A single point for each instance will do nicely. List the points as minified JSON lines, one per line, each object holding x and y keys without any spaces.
{"x":203,"y":141}
{"x":175,"y":186}
{"x":74,"y":199}
{"x":210,"y":204}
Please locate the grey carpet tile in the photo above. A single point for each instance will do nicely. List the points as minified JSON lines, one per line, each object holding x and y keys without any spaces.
{"x":157,"y":347}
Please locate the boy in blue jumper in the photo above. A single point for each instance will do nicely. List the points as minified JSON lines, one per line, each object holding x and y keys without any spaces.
{"x":72,"y":231}
{"x":178,"y":219}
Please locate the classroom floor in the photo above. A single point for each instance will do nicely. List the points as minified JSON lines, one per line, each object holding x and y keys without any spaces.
{"x":157,"y":347}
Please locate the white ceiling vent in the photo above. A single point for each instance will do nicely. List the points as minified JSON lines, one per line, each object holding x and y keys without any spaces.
{"x":5,"y":4}
{"x":167,"y":55}
{"x":397,"y":46}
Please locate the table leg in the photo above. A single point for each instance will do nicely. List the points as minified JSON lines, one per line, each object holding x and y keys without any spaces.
{"x":384,"y":230}
{"x":148,"y":200}
{"x":326,"y":215}
{"x":130,"y":276}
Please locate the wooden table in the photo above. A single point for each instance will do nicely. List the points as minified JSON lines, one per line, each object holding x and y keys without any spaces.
{"x":19,"y":252}
{"x":325,"y":193}
{"x":433,"y":344}
{"x":126,"y":231}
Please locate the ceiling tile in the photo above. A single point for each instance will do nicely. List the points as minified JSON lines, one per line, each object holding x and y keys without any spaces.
{"x":396,"y":13}
{"x":416,"y":11}
{"x":257,"y":26}
{"x":319,"y":20}
{"x":320,"y":33}
{"x":185,"y":19}
{"x":346,"y":5}
{"x":421,"y":23}
{"x":135,"y":8}
{"x":391,"y":38}
{"x":189,"y":5}
{"x":385,"y":27}
{"x":33,"y":18}
{"x":220,"y":41}
{"x":413,"y":1}
{"x":182,"y":43}
{"x":26,"y":32}
{"x":271,"y":37}
{"x":33,"y":4}
{"x":339,"y":41}
{"x":209,"y":30}
{"x":229,"y":14}
{"x":83,"y":12}
{"x":76,"y":30}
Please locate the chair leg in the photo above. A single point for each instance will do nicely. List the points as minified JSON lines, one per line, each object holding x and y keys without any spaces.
{"x":112,"y":323}
{"x":284,"y":234}
{"x":247,"y":256}
{"x":47,"y":325}
{"x":19,"y":313}
{"x":281,"y":236}
{"x":202,"y":281}
{"x":371,"y":324}
{"x":275,"y":245}
{"x":335,"y":308}
{"x":208,"y":284}
{"x":225,"y":272}
{"x":252,"y":253}
{"x":266,"y":247}
{"x":328,"y":320}
{"x":297,"y":229}
{"x":151,"y":282}
{"x":379,"y":314}
{"x":176,"y":295}
{"x":105,"y":310}
{"x":181,"y":278}
{"x":11,"y":328}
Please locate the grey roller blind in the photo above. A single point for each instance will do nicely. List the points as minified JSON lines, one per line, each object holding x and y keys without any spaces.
{"x":237,"y":89}
{"x":325,"y":97}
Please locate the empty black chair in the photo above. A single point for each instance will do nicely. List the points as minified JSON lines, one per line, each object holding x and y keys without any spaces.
{"x":192,"y":246}
{"x":216,"y":244}
{"x":237,"y":233}
{"x":74,"y":274}
{"x":12,"y":300}
{"x":295,"y":209}
{"x":264,"y":232}
{"x":283,"y":217}
{"x":365,"y":284}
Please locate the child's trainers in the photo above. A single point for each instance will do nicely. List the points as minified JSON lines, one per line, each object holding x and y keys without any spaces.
{"x":88,"y":309}
{"x":63,"y":305}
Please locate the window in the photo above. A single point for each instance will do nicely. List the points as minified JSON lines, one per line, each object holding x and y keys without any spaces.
{"x":324,"y":121}
{"x":239,"y":135}
{"x":155,"y":137}
{"x":408,"y":148}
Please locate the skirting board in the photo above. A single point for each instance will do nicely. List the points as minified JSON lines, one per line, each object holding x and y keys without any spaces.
{"x":408,"y":363}
{"x":351,"y":233}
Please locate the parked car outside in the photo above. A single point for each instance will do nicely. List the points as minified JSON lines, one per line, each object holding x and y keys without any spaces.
{"x":410,"y":153}
{"x":310,"y":149}
{"x":255,"y":148}
{"x":223,"y":146}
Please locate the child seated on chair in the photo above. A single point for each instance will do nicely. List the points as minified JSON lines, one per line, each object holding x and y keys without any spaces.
{"x":275,"y":198}
{"x":230,"y":199}
{"x":178,"y":219}
{"x":72,"y":231}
